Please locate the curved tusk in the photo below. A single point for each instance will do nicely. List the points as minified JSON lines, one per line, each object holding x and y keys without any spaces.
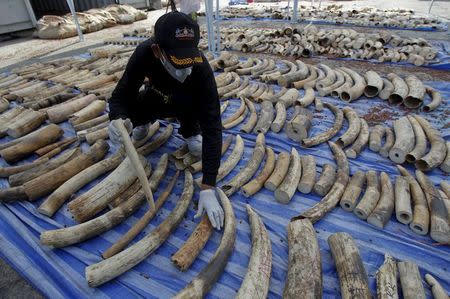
{"x":438,"y":149}
{"x":420,"y":147}
{"x":232,"y":86}
{"x":436,"y":99}
{"x":436,"y":288}
{"x":390,"y":139}
{"x":28,"y":175}
{"x":307,"y":98}
{"x":266,"y":116}
{"x":280,"y":118}
{"x":334,"y":195}
{"x":354,"y":126}
{"x":197,"y":166}
{"x":67,"y":236}
{"x":416,"y":92}
{"x":421,"y":215}
{"x":289,"y":97}
{"x":327,"y":135}
{"x":326,"y":90}
{"x":252,"y":120}
{"x":143,"y":222}
{"x":224,"y":106}
{"x":326,"y":180}
{"x":352,"y":191}
{"x":242,"y":86}
{"x":243,"y":176}
{"x":400,"y":89}
{"x":85,"y":206}
{"x":348,"y":83}
{"x":371,"y":196}
{"x":374,"y":84}
{"x":162,"y":138}
{"x":308,"y":177}
{"x":312,"y":77}
{"x":403,"y":211}
{"x":24,"y":146}
{"x":62,"y":111}
{"x":297,"y":128}
{"x":445,"y":165}
{"x":349,"y":266}
{"x":411,"y":281}
{"x":385,"y":206}
{"x":205,"y":280}
{"x":286,"y":189}
{"x":356,"y":90}
{"x":304,"y":274}
{"x":387,"y":279}
{"x":75,"y":183}
{"x":404,"y":140}
{"x":108,"y":269}
{"x":232,"y":160}
{"x":279,"y":172}
{"x":257,"y":183}
{"x":223,"y":79}
{"x":287,"y":79}
{"x":388,"y":89}
{"x":330,"y":78}
{"x":236,"y":114}
{"x":360,"y":142}
{"x":256,"y":281}
{"x":51,"y":180}
{"x":439,"y":226}
{"x":151,"y":131}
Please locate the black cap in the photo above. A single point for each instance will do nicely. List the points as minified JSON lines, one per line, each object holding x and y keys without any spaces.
{"x":178,"y":35}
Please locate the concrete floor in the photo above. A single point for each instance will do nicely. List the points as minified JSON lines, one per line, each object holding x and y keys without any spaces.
{"x":24,"y":49}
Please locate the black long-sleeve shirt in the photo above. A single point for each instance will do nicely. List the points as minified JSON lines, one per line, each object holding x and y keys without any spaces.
{"x":199,"y":89}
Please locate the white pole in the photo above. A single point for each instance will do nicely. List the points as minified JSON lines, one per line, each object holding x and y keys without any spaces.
{"x":30,"y":12}
{"x":295,"y":12}
{"x":74,"y":15}
{"x":431,"y":5}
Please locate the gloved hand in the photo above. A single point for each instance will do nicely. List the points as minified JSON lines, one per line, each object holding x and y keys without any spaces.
{"x":140,"y":132}
{"x":195,"y":145}
{"x":208,"y":202}
{"x":114,"y":134}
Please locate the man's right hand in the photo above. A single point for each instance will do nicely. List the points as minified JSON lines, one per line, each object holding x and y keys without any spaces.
{"x":114,"y":134}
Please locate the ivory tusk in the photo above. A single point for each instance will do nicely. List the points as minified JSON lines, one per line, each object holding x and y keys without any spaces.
{"x":400,"y":89}
{"x":280,"y":119}
{"x":9,"y":115}
{"x":352,"y":191}
{"x":25,"y":114}
{"x":411,"y":281}
{"x":85,"y":206}
{"x":350,"y":268}
{"x":26,"y":145}
{"x":12,"y":194}
{"x":436,"y":288}
{"x":243,"y":176}
{"x":197,"y":166}
{"x":151,"y":131}
{"x":420,"y":147}
{"x":326,"y":180}
{"x":28,"y":175}
{"x":307,"y":98}
{"x":390,"y":139}
{"x":279,"y":172}
{"x":224,"y":106}
{"x":54,"y":100}
{"x":71,"y":235}
{"x":375,"y":138}
{"x":297,"y":128}
{"x":387,"y":279}
{"x":360,"y":142}
{"x":242,"y":86}
{"x":348,"y":83}
{"x":26,"y":124}
{"x":62,"y":112}
{"x":385,"y":206}
{"x":51,"y":180}
{"x":286,"y":189}
{"x":356,"y":90}
{"x":312,"y":77}
{"x":116,"y":265}
{"x":92,"y":137}
{"x":257,"y":183}
{"x":404,"y":140}
{"x":308,"y":178}
{"x":416,"y":92}
{"x":403,"y":209}
{"x":332,"y":198}
{"x":252,"y":120}
{"x":436,"y":99}
{"x":232,"y":160}
{"x":374,"y":84}
{"x":44,"y":150}
{"x":445,"y":165}
{"x":10,"y":170}
{"x":388,"y":89}
{"x":439,"y":226}
{"x":287,"y":79}
{"x":330,"y":77}
{"x":235,"y":115}
{"x":304,"y":274}
{"x":370,"y":198}
{"x":89,"y":112}
{"x":162,"y":138}
{"x":233,"y":85}
{"x":318,"y":105}
{"x":256,"y":281}
{"x":354,"y":126}
{"x":75,"y":183}
{"x":265,"y":119}
{"x":438,"y":149}
{"x":327,"y":135}
{"x":202,"y":283}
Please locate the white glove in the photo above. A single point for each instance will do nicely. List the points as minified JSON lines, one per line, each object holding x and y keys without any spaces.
{"x":195,"y":145}
{"x":140,"y":132}
{"x":208,"y":202}
{"x":114,"y":134}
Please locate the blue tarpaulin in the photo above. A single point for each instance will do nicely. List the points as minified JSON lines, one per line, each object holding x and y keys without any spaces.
{"x":59,"y":273}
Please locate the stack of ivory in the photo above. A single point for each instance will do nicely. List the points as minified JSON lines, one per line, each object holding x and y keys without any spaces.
{"x":397,"y":18}
{"x":308,"y":41}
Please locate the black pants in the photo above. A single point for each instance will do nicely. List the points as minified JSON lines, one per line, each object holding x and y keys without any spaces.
{"x":152,"y":105}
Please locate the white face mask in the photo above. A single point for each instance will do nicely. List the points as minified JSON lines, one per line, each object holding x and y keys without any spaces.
{"x":179,"y":74}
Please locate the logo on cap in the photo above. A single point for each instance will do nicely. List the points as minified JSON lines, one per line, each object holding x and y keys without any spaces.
{"x":184,"y":33}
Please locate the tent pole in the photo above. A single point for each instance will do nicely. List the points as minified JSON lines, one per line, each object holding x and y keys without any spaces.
{"x":74,"y":15}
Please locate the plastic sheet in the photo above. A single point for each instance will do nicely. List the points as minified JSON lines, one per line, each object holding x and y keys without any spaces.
{"x":59,"y":273}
